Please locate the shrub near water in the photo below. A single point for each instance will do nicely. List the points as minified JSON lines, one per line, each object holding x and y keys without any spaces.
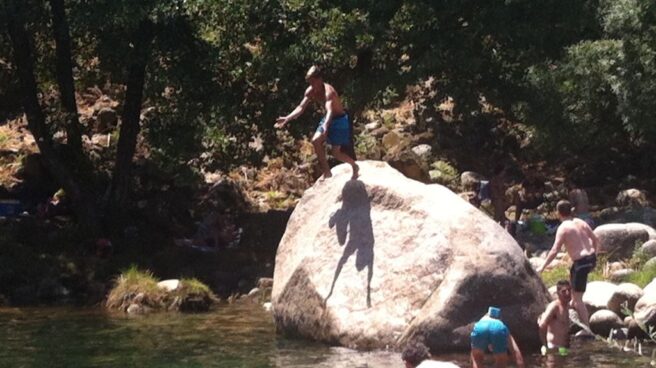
{"x":136,"y":287}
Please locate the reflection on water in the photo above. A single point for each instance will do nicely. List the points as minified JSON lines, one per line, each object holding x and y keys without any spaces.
{"x":233,"y":336}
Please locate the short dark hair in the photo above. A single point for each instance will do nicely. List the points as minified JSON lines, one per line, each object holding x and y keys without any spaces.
{"x":564,"y":207}
{"x":415,"y":353}
{"x":562,"y":284}
{"x":313,"y":72}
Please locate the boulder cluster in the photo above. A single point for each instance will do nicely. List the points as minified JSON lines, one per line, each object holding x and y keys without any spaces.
{"x":382,"y":260}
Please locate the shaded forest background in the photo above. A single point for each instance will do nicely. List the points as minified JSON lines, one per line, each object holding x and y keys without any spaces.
{"x":564,"y":88}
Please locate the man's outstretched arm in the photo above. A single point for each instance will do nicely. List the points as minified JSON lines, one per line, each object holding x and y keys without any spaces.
{"x":558,"y":243}
{"x":283,"y":120}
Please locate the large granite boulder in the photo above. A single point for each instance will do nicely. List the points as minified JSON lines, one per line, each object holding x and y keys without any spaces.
{"x":645,"y":310}
{"x":603,"y":321}
{"x":379,"y":261}
{"x":620,"y":240}
{"x":632,"y":198}
{"x":597,"y":295}
{"x":409,"y":163}
{"x":624,"y":296}
{"x":649,"y":248}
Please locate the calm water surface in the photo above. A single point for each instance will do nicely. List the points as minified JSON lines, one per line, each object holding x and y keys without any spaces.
{"x":232,"y":336}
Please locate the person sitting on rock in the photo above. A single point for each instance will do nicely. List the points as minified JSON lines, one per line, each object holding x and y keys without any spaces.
{"x":493,"y":190}
{"x":498,"y":194}
{"x":529,"y":196}
{"x":554,"y":322}
{"x":416,"y":355}
{"x":490,"y":335}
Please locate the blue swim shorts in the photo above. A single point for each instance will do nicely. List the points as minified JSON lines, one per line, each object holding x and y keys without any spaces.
{"x":491,"y":334}
{"x":339,"y":131}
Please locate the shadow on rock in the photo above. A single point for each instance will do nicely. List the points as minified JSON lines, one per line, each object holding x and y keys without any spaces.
{"x":353,"y":221}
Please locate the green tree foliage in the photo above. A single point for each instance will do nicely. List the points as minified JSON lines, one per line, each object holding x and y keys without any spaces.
{"x":599,"y":96}
{"x":219,"y":72}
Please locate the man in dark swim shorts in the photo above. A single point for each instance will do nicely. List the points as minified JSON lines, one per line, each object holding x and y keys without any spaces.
{"x":335,"y":128}
{"x":579,"y":271}
{"x":582,"y":245}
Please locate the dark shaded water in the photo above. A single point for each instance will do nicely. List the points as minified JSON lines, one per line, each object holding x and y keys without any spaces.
{"x":232,"y":336}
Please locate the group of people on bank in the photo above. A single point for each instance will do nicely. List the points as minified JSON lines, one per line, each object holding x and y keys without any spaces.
{"x":490,"y":336}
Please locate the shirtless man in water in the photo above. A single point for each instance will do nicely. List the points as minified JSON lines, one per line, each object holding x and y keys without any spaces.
{"x":334,"y":128}
{"x":582,"y":246}
{"x":554,"y":322}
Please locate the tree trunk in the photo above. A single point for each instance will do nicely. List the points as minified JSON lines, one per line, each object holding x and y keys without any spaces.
{"x":82,"y":205}
{"x":65,"y":75}
{"x":131,"y":115}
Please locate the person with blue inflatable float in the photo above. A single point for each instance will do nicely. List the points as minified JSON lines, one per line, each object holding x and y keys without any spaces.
{"x":491,"y":335}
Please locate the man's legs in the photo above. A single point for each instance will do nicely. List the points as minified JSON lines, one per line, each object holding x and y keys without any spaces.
{"x":578,"y":274}
{"x":477,"y":358}
{"x":501,"y":360}
{"x":579,"y":306}
{"x":318,"y":142}
{"x":337,"y":152}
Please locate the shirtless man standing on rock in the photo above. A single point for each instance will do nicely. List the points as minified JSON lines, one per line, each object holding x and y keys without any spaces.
{"x":582,"y":246}
{"x":554,"y":322}
{"x":335,"y":128}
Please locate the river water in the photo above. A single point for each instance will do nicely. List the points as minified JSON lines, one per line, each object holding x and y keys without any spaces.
{"x":237,"y":335}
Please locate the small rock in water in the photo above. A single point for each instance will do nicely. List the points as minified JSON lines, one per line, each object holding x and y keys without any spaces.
{"x":135,"y":309}
{"x":265,"y":282}
{"x":169,"y":285}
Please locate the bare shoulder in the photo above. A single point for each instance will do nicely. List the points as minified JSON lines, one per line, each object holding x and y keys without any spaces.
{"x":564,"y":227}
{"x":308,"y":92}
{"x":330,"y":91}
{"x":551,"y":306}
{"x":581,"y":224}
{"x":548,"y":313}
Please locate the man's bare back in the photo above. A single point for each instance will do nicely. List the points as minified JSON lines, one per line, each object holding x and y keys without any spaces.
{"x":578,"y":238}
